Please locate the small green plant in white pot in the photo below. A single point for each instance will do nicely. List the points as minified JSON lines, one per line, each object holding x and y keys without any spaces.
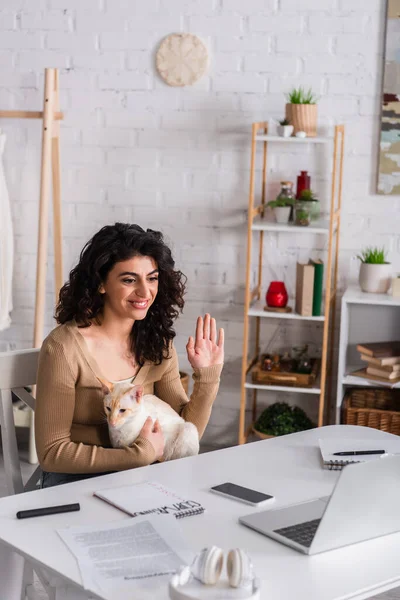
{"x":285,"y":129}
{"x":375,"y":271}
{"x":281,"y":207}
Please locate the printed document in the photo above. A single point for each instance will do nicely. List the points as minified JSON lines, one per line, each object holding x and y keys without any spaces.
{"x":133,"y":554}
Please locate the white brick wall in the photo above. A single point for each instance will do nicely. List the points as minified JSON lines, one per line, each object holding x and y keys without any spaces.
{"x":134,"y":149}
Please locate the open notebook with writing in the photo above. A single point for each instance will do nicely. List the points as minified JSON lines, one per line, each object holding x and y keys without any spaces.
{"x":332,"y":462}
{"x":149,"y":497}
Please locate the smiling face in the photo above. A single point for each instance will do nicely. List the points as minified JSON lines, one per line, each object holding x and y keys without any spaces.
{"x":131,"y":287}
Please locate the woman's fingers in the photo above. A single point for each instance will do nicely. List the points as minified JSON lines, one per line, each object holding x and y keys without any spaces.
{"x":190,"y":344}
{"x":206,"y":327}
{"x":147,"y":426}
{"x":199,"y":330}
{"x":221,"y":336}
{"x":213,"y":331}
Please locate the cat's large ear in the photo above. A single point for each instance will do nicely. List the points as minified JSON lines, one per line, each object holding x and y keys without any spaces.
{"x":106,"y":386}
{"x":136,"y":393}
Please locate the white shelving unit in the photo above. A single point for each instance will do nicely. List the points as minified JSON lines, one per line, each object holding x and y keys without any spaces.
{"x":254,"y":306}
{"x":257,"y":310}
{"x":322,"y":226}
{"x":292,"y":140}
{"x":364,"y":318}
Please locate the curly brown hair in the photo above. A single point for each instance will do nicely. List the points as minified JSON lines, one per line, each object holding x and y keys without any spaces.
{"x":81,"y":300}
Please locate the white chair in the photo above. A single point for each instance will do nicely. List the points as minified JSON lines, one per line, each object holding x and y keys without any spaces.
{"x":17,"y":371}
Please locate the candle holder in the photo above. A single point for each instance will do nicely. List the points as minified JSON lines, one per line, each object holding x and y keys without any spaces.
{"x":277,"y":296}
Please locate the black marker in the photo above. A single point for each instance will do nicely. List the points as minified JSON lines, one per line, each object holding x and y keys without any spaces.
{"x":47,"y":510}
{"x":359,"y":452}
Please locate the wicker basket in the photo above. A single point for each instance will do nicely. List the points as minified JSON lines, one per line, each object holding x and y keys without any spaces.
{"x":370,"y":407}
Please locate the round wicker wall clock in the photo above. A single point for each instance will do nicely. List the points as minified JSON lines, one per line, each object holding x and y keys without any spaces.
{"x":182,"y":59}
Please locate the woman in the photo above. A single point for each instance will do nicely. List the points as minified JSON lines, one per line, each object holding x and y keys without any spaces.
{"x":115,"y":318}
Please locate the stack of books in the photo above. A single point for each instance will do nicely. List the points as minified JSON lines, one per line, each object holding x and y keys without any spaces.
{"x":309,"y":288}
{"x":383,"y":361}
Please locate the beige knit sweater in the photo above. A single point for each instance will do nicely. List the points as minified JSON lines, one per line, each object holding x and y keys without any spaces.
{"x":70,"y":427}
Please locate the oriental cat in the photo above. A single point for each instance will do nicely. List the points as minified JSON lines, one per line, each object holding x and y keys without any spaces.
{"x":127,"y":408}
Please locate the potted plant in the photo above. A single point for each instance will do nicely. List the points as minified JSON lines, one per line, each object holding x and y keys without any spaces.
{"x":301,"y":111}
{"x":309,"y":196}
{"x":281,"y":419}
{"x":302,"y":211}
{"x":281,"y":207}
{"x":375,"y":271}
{"x":285,"y":129}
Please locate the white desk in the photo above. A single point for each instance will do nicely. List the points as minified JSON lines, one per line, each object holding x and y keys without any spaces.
{"x":288,"y":467}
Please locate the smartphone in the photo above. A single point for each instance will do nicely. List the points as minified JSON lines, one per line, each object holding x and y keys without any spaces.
{"x":243,"y":494}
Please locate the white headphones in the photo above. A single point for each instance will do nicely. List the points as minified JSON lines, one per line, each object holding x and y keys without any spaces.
{"x":206,"y":570}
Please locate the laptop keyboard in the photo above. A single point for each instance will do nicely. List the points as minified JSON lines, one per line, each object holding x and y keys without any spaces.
{"x":302,"y":533}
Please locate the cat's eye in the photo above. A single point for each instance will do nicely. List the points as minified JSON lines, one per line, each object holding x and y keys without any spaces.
{"x":108,"y":408}
{"x":122,"y":409}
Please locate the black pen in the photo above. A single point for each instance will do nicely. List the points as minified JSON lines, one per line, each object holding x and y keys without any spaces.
{"x":47,"y":510}
{"x":358,"y":452}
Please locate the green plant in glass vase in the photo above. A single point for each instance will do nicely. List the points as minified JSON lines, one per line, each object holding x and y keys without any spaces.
{"x":315,"y":205}
{"x":303,"y":214}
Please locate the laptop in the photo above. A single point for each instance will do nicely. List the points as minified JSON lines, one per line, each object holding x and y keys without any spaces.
{"x":364,"y":505}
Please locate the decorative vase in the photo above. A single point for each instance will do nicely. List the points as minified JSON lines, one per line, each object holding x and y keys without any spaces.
{"x":303,"y":183}
{"x":303,"y":118}
{"x":282,"y":214}
{"x":315,"y":210}
{"x":277,"y":296}
{"x":302,"y":213}
{"x":375,"y":279}
{"x":285,"y":130}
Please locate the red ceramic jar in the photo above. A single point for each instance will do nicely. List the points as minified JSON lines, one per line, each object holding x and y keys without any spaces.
{"x":277,"y":296}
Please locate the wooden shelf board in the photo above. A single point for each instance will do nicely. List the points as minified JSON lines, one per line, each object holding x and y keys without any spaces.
{"x":257,"y":310}
{"x":293,"y":140}
{"x":282,"y":388}
{"x":321,"y":226}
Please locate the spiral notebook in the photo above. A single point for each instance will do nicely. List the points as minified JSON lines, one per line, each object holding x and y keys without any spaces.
{"x":335,"y":463}
{"x":149,"y":497}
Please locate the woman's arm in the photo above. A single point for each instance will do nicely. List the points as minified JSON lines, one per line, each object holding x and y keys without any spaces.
{"x":55,"y":404}
{"x":206,"y":384}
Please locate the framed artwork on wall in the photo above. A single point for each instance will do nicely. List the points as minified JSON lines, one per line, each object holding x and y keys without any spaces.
{"x":389,"y":154}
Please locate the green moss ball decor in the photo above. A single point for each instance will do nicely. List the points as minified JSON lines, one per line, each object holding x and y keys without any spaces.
{"x":281,"y":419}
